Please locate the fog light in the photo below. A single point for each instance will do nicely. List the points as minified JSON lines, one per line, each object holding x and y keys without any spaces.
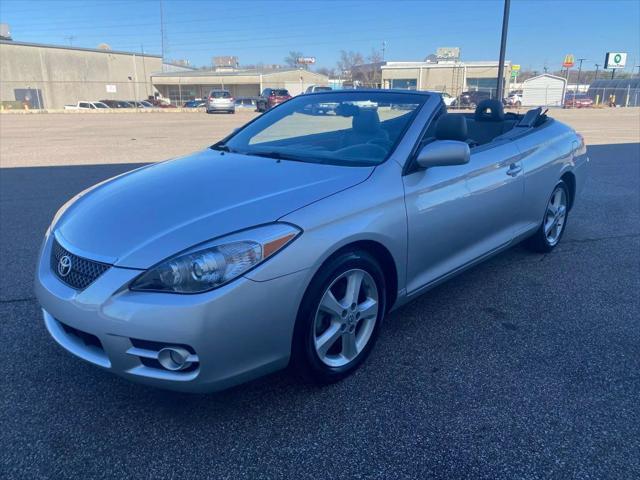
{"x":174,"y":358}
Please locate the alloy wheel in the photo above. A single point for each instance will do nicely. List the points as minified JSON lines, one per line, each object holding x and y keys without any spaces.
{"x":555,"y":216}
{"x":346,"y":318}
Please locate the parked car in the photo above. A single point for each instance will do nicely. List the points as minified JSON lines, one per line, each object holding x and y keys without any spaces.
{"x":139,"y":104}
{"x":471,"y":99}
{"x":271,"y":97}
{"x":579,"y":100}
{"x":220,"y":101}
{"x":288,"y":244}
{"x":194,"y":103}
{"x":318,"y":88}
{"x":84,"y":105}
{"x":116,"y":103}
{"x":447,"y":99}
{"x":514,"y":99}
{"x":246,"y":102}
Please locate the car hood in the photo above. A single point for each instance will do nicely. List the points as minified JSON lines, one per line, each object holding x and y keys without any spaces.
{"x":140,"y":218}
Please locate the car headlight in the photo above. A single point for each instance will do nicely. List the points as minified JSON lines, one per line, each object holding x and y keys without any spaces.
{"x":213,"y":264}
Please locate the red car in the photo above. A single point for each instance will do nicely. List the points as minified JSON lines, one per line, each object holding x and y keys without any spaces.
{"x":271,"y":97}
{"x":577,"y":101}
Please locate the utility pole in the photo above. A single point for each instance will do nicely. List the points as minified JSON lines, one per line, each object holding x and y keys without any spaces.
{"x":162,"y":32}
{"x":578,"y":82}
{"x":70,"y":39}
{"x":597,"y":67}
{"x":384,"y":48}
{"x":503,"y":48}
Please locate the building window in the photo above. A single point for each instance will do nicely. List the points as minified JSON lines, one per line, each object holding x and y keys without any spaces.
{"x":482,"y":84}
{"x":404,"y":83}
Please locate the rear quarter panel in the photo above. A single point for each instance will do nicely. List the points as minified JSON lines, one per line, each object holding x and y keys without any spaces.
{"x":547,"y":153}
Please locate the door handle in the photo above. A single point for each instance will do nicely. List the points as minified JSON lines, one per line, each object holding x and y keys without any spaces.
{"x":514,"y":169}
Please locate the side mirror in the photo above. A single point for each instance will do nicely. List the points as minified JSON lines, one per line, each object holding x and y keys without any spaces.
{"x":443,"y":152}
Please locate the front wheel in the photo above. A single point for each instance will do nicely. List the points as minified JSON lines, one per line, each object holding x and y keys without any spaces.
{"x":554,"y":221}
{"x":339,"y":318}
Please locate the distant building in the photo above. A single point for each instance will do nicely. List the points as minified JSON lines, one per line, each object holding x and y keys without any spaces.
{"x":225,"y":63}
{"x":49,"y":76}
{"x":182,"y":86}
{"x":544,"y":90}
{"x":450,"y":76}
{"x":5,"y":31}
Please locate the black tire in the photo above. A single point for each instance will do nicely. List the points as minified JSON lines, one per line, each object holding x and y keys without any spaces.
{"x":539,"y":242}
{"x":305,"y":359}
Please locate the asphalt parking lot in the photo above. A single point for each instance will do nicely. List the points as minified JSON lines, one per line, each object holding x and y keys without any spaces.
{"x":526,"y":366}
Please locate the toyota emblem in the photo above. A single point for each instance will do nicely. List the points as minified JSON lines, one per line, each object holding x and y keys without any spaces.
{"x":64,"y":265}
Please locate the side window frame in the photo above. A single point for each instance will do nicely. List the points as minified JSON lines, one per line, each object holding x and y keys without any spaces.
{"x":410,"y":166}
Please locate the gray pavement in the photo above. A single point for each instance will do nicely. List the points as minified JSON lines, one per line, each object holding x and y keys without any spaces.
{"x":527,"y":366}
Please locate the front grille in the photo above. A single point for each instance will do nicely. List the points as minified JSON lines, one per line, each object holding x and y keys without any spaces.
{"x":82,"y":272}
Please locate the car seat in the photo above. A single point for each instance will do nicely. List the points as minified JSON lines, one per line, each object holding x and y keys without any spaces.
{"x":365,"y":128}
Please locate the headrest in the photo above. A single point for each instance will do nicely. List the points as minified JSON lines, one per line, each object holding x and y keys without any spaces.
{"x":366,"y":121}
{"x":451,"y":126}
{"x":489,"y":111}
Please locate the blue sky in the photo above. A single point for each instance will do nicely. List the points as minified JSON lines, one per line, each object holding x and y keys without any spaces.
{"x":540,"y":31}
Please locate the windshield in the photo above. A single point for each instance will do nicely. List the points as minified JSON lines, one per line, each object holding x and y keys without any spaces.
{"x":100,"y":105}
{"x":350,"y":128}
{"x":280,"y":93}
{"x":220,"y":94}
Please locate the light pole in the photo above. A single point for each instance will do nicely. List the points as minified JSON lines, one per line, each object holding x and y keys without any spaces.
{"x":503,"y":47}
{"x":597,"y":67}
{"x":578,"y":81}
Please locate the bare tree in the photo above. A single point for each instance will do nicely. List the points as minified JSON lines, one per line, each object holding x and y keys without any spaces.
{"x":329,"y":72}
{"x":375,"y":56}
{"x":292,"y":59}
{"x":348,"y":60}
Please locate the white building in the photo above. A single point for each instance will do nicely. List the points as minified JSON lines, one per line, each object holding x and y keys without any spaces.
{"x":544,"y":90}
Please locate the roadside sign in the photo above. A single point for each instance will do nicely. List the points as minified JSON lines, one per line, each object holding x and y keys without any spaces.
{"x":615,"y":60}
{"x":306,"y":60}
{"x":515,"y":68}
{"x":514,"y":73}
{"x":568,"y":61}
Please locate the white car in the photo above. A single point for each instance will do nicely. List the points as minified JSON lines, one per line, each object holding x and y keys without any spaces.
{"x":318,"y":88}
{"x":447,"y":99}
{"x":514,"y":99}
{"x":84,"y":105}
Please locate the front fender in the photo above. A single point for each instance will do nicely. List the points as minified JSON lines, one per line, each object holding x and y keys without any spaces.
{"x":371,"y":211}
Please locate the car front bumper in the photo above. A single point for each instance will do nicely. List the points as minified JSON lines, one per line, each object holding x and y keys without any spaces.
{"x":238,"y":332}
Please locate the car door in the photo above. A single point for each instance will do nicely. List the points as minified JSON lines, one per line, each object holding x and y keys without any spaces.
{"x":459,"y":214}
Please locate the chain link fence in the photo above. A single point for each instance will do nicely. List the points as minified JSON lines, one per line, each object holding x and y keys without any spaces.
{"x":54,"y":95}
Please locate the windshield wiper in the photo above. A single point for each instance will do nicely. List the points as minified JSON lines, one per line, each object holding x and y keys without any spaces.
{"x":275,"y":155}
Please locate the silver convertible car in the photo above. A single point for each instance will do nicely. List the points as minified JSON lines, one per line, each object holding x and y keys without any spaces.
{"x":290,"y":240}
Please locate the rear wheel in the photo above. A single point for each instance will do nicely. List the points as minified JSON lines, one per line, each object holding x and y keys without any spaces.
{"x":339,"y":318}
{"x":553,"y":222}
